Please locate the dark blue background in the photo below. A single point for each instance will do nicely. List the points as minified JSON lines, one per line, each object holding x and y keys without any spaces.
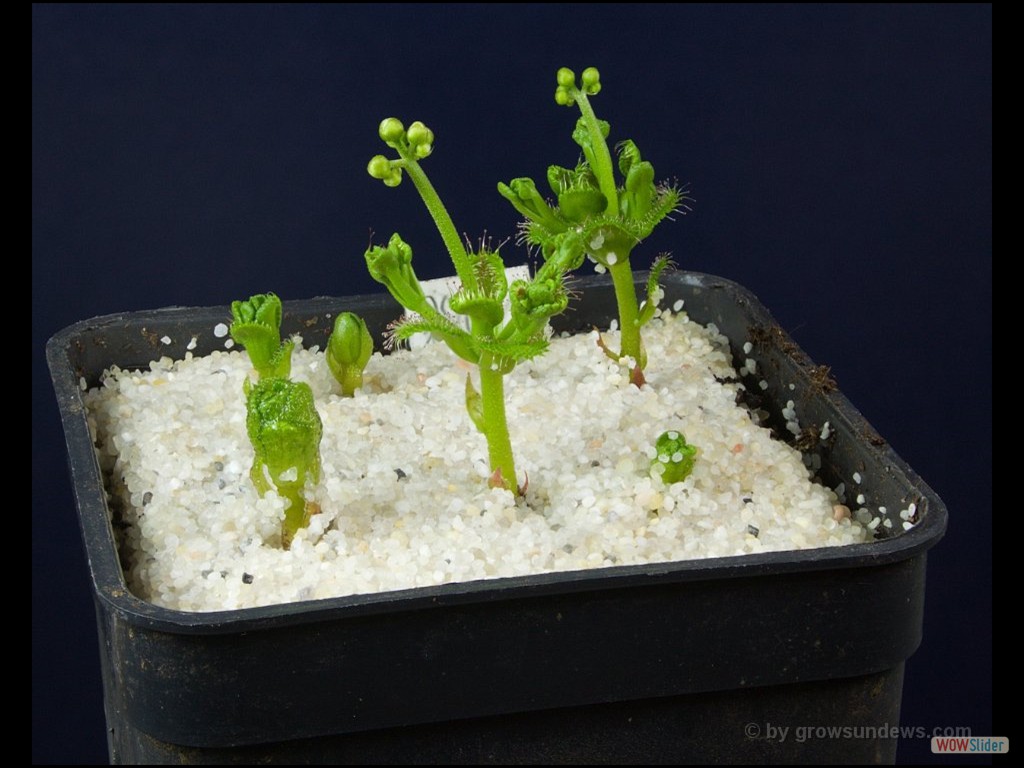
{"x":840,"y":157}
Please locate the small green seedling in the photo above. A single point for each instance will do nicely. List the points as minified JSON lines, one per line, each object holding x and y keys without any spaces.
{"x":256,"y":325}
{"x":610,"y":217}
{"x":348,"y":350}
{"x":281,"y":419}
{"x":675,"y":457}
{"x":497,"y":340}
{"x":285,"y":430}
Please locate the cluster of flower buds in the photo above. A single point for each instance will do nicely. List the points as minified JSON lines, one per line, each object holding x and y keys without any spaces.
{"x":565,"y":93}
{"x":416,"y":142}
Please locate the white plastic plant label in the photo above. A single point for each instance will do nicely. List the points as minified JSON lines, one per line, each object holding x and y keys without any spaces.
{"x":439,"y":293}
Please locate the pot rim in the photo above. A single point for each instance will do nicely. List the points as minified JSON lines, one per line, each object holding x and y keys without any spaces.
{"x":110,"y":587}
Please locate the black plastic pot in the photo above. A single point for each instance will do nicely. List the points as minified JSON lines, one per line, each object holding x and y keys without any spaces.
{"x":687,"y":662}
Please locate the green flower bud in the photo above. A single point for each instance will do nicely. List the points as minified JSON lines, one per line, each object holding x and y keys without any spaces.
{"x":563,"y":97}
{"x":566,"y":78}
{"x":379,"y":167}
{"x":418,"y":134}
{"x":348,"y":350}
{"x":391,"y":130}
{"x":591,"y":81}
{"x":350,"y":342}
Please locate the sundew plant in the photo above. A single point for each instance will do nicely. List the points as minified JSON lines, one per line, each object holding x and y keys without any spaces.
{"x":498,"y":338}
{"x":281,"y":418}
{"x":611,"y":216}
{"x":348,"y":351}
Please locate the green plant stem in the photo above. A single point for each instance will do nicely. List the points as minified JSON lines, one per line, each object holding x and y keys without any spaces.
{"x":351,"y":380}
{"x":445,"y":225}
{"x":295,"y":516}
{"x":499,"y":447}
{"x":492,"y":384}
{"x":602,"y":165}
{"x":629,"y":312}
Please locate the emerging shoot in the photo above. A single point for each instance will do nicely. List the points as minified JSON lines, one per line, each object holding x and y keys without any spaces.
{"x":256,"y":325}
{"x":675,"y":457}
{"x":283,"y":424}
{"x":348,"y":350}
{"x":610,"y":216}
{"x":285,"y":430}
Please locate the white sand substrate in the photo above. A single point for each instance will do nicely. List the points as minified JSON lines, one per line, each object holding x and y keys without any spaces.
{"x":404,"y":495}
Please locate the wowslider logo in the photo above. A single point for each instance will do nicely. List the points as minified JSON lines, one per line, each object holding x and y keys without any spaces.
{"x":970,"y":745}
